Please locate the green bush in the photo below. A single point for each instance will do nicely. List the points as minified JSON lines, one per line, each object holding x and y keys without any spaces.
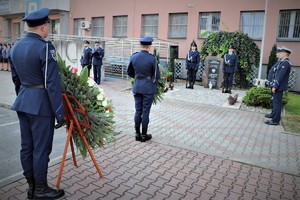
{"x":261,"y":97}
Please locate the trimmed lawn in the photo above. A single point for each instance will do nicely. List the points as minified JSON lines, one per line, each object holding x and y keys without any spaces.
{"x":291,"y":120}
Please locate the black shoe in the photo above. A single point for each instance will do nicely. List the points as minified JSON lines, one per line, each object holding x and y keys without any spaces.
{"x":144,"y":136}
{"x":30,"y":192}
{"x":43,"y":191}
{"x":269,"y":115}
{"x":270,"y":122}
{"x":138,"y":138}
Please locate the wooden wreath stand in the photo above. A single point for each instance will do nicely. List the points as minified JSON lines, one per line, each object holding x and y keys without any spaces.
{"x":72,"y":106}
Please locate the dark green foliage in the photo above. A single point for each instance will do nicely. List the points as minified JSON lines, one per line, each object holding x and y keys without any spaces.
{"x":171,"y":66}
{"x":261,"y":97}
{"x":272,"y":58}
{"x":247,"y":51}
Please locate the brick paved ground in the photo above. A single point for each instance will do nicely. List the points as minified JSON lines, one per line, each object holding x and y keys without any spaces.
{"x":194,"y":154}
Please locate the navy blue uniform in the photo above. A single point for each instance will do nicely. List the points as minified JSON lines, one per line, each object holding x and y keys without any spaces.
{"x":192,"y":66}
{"x":229,"y":67}
{"x":143,"y":67}
{"x":86,"y":59}
{"x":280,"y":83}
{"x":35,"y":73}
{"x":97,"y":55}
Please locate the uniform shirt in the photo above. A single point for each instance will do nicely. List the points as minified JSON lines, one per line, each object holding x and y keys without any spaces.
{"x":86,"y":58}
{"x":34,"y":63}
{"x":230,"y":64}
{"x":97,"y":55}
{"x":281,"y":80}
{"x":272,"y":72}
{"x":193,"y":60}
{"x":143,"y":67}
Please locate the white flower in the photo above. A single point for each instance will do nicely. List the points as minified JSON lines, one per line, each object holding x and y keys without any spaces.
{"x":104,"y":103}
{"x":101,"y":90}
{"x":100,"y":97}
{"x":90,"y":82}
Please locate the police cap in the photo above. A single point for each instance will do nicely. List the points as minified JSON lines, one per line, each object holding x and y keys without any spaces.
{"x":146,"y":41}
{"x":86,"y":42}
{"x":193,"y":44}
{"x":37,"y":17}
{"x":284,"y":49}
{"x":230,"y":46}
{"x":97,"y":43}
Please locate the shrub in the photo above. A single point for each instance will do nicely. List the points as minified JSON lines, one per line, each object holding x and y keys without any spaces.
{"x":261,"y":97}
{"x":247,"y":51}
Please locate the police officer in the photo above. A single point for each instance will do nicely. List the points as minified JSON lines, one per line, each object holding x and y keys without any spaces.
{"x":35,"y":73}
{"x":229,"y":67}
{"x":280,"y":84}
{"x":144,"y":69}
{"x":97,"y":56}
{"x":192,"y":64}
{"x":86,"y":57}
{"x":271,"y":76}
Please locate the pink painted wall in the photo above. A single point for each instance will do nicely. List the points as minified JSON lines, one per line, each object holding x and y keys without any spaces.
{"x":230,"y":16}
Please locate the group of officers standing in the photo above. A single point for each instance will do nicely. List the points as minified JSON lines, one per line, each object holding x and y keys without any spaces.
{"x":4,"y":56}
{"x":35,"y":73}
{"x":230,"y":65}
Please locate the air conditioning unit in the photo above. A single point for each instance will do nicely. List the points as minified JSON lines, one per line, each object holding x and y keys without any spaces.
{"x":85,"y":25}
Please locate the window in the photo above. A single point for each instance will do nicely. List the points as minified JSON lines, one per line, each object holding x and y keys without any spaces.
{"x":178,"y":25}
{"x":289,"y":24}
{"x":120,"y":27}
{"x":77,"y":27}
{"x":209,"y":22}
{"x":252,"y":23}
{"x":55,"y":27}
{"x":149,"y":25}
{"x":98,"y":26}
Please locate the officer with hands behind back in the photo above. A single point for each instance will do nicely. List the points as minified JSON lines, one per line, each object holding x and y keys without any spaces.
{"x":229,"y":68}
{"x":280,"y":83}
{"x":192,"y":64}
{"x":144,"y":69}
{"x":35,"y":73}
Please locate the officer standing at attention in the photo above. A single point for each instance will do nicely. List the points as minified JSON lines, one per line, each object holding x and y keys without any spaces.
{"x":144,"y":69}
{"x":280,"y":84}
{"x":271,"y":76}
{"x":192,"y":64}
{"x":97,"y":55}
{"x":86,"y":57}
{"x":35,"y":73}
{"x":229,"y":67}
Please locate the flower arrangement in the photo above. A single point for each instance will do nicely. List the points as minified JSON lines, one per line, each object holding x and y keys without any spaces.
{"x":99,"y":109}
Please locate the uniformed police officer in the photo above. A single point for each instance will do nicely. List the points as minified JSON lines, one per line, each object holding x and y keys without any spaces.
{"x":280,"y":84}
{"x":144,"y":69}
{"x":271,"y":76}
{"x":35,"y":73}
{"x":97,"y":56}
{"x":86,"y":57}
{"x":192,"y":65}
{"x":229,"y":67}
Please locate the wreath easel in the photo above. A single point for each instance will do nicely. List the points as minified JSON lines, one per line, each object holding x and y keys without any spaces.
{"x":73,"y":111}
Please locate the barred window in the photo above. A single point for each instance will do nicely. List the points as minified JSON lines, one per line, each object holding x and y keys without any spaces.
{"x":209,"y":22}
{"x":77,"y":26}
{"x":149,"y":25}
{"x":120,"y":26}
{"x":178,"y":25}
{"x":98,"y":26}
{"x":289,"y":24}
{"x":252,"y":24}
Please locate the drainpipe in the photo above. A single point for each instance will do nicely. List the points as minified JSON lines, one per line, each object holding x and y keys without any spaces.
{"x":263,"y":41}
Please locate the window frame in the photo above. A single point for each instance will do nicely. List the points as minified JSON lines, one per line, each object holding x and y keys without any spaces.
{"x":291,"y":30}
{"x":252,"y":25}
{"x":122,"y":26}
{"x":185,"y":26}
{"x":154,"y":26}
{"x":99,"y":28}
{"x":210,"y":14}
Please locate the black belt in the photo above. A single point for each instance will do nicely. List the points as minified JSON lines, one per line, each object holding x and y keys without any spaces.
{"x":141,"y":78}
{"x":33,"y":86}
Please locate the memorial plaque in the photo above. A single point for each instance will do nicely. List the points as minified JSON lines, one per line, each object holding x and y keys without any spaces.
{"x":213,"y":72}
